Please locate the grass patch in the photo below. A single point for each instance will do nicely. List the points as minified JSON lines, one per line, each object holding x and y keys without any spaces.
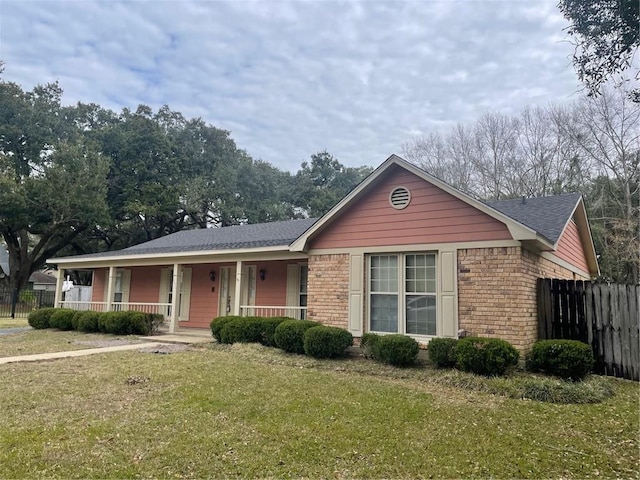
{"x":47,"y":341}
{"x":248,"y":411}
{"x":8,"y":322}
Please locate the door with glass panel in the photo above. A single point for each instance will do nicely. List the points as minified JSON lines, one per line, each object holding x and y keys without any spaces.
{"x":227,"y":290}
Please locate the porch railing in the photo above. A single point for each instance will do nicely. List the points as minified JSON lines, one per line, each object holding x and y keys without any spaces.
{"x":160,"y":308}
{"x":299,"y":313}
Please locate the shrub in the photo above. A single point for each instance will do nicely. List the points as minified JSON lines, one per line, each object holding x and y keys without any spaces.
{"x":126,"y":323}
{"x":398,"y":350}
{"x":269,"y":325}
{"x":75,"y":318}
{"x":39,"y":319}
{"x":442,"y":352}
{"x":87,"y":321}
{"x":62,"y":318}
{"x":113,"y":322}
{"x":568,"y":359}
{"x":326,"y":342}
{"x":289,"y":335}
{"x":241,"y":330}
{"x":367,"y":342}
{"x":485,"y":356}
{"x":218,"y":323}
{"x":154,"y":320}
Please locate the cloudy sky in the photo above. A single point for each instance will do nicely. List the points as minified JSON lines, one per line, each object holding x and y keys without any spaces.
{"x":290,"y":78}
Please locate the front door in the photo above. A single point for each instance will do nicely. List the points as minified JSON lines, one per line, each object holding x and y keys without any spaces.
{"x":227,"y":290}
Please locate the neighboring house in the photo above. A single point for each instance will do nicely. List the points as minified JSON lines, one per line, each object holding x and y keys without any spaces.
{"x":403,"y":252}
{"x":4,"y":265}
{"x":37,"y":280}
{"x":42,"y":281}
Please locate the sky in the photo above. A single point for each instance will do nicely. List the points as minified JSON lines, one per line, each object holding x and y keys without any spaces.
{"x":359,"y":79}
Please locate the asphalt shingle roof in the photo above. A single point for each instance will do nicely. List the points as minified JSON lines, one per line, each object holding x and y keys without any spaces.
{"x":545,"y":215}
{"x":224,"y":238}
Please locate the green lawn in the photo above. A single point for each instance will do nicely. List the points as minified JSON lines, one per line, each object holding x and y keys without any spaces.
{"x":247,"y":411}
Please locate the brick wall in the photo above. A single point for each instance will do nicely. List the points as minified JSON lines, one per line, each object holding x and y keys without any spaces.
{"x":497,"y":292}
{"x":328,"y":289}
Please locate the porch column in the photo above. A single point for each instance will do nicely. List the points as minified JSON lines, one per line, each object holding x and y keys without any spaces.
{"x":175,"y":297}
{"x":238,"y":295}
{"x":111,"y":285}
{"x":59,"y":279}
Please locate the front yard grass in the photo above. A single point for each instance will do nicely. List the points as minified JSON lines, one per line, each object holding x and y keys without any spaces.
{"x":247,"y":411}
{"x":8,"y":322}
{"x":47,"y":341}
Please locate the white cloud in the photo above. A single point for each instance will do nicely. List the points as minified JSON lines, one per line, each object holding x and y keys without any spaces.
{"x":289,"y":78}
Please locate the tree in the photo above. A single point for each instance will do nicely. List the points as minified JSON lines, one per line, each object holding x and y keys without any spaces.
{"x":52,"y":182}
{"x":591,"y":146}
{"x":321,"y":184}
{"x":616,"y":238}
{"x":606,"y":36}
{"x":607,"y":130}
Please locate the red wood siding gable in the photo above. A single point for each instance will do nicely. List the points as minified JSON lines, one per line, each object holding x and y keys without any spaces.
{"x":571,"y":248}
{"x":432,"y":216}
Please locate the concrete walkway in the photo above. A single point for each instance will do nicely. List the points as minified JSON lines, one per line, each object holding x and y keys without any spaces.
{"x":155,"y":341}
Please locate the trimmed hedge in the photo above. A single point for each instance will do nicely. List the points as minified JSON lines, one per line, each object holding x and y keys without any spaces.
{"x":87,"y":321}
{"x":398,"y":350}
{"x":127,"y":322}
{"x":367,"y":342}
{"x":218,"y":323}
{"x":289,"y":335}
{"x":241,"y":330}
{"x":567,"y":359}
{"x":485,"y":356}
{"x":62,"y":319}
{"x":326,"y":342}
{"x":39,"y":319}
{"x":234,"y":329}
{"x":442,"y":352}
{"x":269,"y":325}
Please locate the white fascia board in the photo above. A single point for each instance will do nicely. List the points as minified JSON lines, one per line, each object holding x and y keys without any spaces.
{"x":203,"y":256}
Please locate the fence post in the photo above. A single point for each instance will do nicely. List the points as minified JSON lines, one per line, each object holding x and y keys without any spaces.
{"x":14,"y":302}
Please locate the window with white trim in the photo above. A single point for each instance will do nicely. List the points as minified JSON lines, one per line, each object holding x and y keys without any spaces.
{"x":402,"y":293}
{"x":118,"y":287}
{"x":303,"y":281}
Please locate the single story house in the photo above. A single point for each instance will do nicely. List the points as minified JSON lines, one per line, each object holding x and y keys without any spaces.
{"x":403,"y":252}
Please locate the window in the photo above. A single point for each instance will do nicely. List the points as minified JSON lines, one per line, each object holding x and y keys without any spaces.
{"x":402,"y":293}
{"x":302,"y":295}
{"x":117,"y":288}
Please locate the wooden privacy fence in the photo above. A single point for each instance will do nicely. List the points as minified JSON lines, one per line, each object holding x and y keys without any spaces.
{"x":606,"y":316}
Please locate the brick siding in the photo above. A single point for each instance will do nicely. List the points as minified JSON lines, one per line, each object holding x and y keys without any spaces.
{"x":328,"y":289}
{"x":497,"y":292}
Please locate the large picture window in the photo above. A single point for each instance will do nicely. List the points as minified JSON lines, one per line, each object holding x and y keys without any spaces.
{"x":402,"y":293}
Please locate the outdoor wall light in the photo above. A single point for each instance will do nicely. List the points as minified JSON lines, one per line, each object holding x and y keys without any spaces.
{"x":263,"y":274}
{"x":212,"y":275}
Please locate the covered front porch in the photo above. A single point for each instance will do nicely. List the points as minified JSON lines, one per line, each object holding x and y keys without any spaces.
{"x":252,"y":286}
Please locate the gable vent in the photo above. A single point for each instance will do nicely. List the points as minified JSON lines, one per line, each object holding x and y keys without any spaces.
{"x":399,"y":197}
